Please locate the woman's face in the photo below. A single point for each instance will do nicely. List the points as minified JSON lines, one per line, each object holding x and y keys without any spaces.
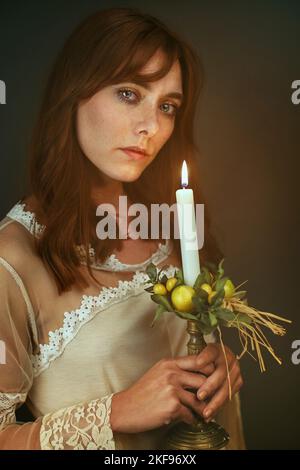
{"x":129,"y":115}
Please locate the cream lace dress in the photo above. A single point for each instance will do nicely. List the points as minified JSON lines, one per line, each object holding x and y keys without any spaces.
{"x":65,"y":356}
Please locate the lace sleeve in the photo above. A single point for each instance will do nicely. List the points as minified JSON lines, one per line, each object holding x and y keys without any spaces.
{"x":17,"y":336}
{"x":83,"y":426}
{"x":8,"y":403}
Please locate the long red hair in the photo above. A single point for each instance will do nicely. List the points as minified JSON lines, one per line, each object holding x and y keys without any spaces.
{"x":110,"y":46}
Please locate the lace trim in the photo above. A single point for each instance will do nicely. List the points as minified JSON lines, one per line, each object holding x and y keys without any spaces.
{"x":113,"y":264}
{"x":90,"y":306}
{"x":8,"y":403}
{"x":83,"y":426}
{"x":28,"y":220}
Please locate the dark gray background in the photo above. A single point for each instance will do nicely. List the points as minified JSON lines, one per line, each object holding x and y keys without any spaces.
{"x":248,"y":130}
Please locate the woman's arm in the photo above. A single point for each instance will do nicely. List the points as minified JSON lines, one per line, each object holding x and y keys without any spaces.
{"x":82,"y":426}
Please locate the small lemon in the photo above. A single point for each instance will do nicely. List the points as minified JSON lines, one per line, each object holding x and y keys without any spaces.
{"x":206,"y":287}
{"x":159,"y":289}
{"x":171,"y":283}
{"x":229,"y":289}
{"x":182,"y":298}
{"x":211,"y":295}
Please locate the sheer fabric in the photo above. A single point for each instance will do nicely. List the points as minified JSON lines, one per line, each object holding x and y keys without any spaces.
{"x":65,"y":356}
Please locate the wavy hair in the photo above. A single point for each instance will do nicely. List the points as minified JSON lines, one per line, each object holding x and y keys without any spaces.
{"x":110,"y":46}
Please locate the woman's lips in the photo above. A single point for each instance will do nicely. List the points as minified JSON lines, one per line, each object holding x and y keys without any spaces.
{"x":134,"y":155}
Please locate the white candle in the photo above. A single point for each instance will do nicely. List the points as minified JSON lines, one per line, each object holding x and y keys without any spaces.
{"x":187,"y":230}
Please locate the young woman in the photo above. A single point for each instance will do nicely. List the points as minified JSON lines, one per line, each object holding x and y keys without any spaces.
{"x":74,"y":315}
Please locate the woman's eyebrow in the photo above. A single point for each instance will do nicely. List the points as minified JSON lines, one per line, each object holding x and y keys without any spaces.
{"x":173,"y":94}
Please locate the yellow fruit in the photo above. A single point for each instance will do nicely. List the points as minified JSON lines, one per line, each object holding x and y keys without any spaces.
{"x":171,"y":283}
{"x":206,"y":287}
{"x":229,"y":289}
{"x":211,"y":295}
{"x":159,"y":289}
{"x":182,"y":298}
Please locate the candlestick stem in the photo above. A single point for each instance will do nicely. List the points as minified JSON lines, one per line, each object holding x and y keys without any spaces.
{"x":202,"y":435}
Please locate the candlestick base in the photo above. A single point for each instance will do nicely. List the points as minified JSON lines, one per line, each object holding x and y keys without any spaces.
{"x":202,"y":435}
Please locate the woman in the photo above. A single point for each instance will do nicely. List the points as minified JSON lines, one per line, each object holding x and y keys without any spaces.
{"x":74,"y":315}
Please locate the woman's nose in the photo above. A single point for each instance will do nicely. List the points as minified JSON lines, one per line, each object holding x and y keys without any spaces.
{"x":148,"y":124}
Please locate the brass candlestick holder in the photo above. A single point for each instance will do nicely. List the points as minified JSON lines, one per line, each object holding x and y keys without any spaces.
{"x":202,"y":435}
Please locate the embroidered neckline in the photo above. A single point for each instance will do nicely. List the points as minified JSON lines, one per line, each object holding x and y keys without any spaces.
{"x":90,"y":306}
{"x":112,"y":263}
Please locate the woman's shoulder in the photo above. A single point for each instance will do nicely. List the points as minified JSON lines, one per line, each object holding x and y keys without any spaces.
{"x":16,"y":242}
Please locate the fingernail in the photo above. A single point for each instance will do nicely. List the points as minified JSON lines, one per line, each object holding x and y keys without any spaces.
{"x":202,"y":395}
{"x":207,"y":413}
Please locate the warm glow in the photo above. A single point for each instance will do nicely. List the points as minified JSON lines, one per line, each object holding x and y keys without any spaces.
{"x":184,"y":175}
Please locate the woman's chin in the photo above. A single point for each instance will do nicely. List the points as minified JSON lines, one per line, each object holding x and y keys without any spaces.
{"x":129,"y":177}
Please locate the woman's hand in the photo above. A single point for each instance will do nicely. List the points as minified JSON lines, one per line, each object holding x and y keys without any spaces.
{"x":215,"y":390}
{"x":162,"y":395}
{"x":166,"y":392}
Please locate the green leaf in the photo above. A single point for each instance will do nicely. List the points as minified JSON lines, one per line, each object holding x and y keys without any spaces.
{"x":207,"y":330}
{"x":217,"y":299}
{"x":149,"y":289}
{"x":240,"y":294}
{"x":151,"y":270}
{"x":220,"y":283}
{"x":179,"y":275}
{"x":158,"y":313}
{"x":211,"y":267}
{"x":199,"y":303}
{"x":199,"y":281}
{"x":164,"y":279}
{"x":224,"y":314}
{"x":186,"y":315}
{"x":161,"y":270}
{"x":243,"y":318}
{"x":205,"y":319}
{"x":203,"y":295}
{"x":178,"y":283}
{"x":206,"y":274}
{"x":220,"y":272}
{"x":213,"y":319}
{"x":162,"y":300}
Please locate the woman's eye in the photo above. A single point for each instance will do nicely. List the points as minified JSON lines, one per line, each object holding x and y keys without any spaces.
{"x":126,"y":95}
{"x":131,"y":97}
{"x":170,"y":109}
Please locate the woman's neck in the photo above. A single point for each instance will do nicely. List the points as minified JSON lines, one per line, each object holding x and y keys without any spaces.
{"x":108,"y":193}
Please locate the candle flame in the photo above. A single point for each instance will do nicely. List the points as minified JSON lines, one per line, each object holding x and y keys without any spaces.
{"x":184,"y":175}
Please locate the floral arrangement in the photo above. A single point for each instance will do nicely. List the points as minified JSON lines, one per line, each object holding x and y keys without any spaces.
{"x":214,"y":302}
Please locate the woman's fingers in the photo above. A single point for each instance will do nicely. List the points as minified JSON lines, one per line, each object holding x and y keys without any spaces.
{"x":190,"y":400}
{"x":217,"y":378}
{"x":220,"y":397}
{"x":186,"y":415}
{"x":198,"y":362}
{"x":190,"y":380}
{"x":207,"y":370}
{"x":212,"y":383}
{"x":209,"y":355}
